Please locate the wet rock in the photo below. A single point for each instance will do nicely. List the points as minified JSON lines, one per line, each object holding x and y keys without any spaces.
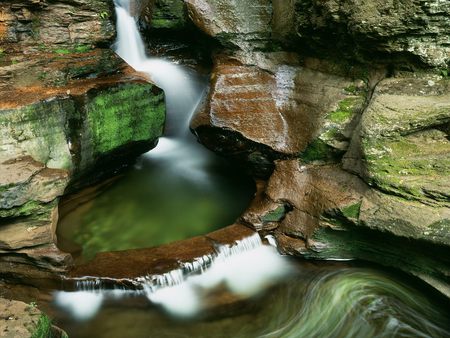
{"x":58,"y":138}
{"x":335,"y":215}
{"x":158,"y":260}
{"x":264,"y":106}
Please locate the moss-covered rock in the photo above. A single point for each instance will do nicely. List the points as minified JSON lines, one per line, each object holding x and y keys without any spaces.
{"x":167,"y":14}
{"x":70,"y":138}
{"x":403,"y":140}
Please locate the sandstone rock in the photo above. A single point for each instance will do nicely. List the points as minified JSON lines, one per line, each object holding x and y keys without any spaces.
{"x":23,"y":320}
{"x":403,"y":140}
{"x":412,"y":30}
{"x":27,"y":26}
{"x":18,"y":319}
{"x":335,"y":215}
{"x":158,"y":260}
{"x":240,"y":23}
{"x":56,"y":136}
{"x":268,"y":99}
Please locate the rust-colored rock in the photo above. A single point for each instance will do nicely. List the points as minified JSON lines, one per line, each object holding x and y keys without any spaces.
{"x":267,"y":99}
{"x":158,"y":260}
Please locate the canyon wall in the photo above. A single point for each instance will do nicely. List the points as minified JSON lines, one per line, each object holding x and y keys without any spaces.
{"x":71,"y":113}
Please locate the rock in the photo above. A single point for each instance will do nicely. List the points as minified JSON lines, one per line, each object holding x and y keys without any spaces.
{"x":411,"y":30}
{"x":25,"y":320}
{"x":334,"y":215}
{"x":245,"y":24}
{"x":274,"y":108}
{"x":29,"y":26}
{"x":18,"y":319}
{"x":165,"y":14}
{"x":128,"y":264}
{"x":403,"y":140}
{"x":56,"y":139}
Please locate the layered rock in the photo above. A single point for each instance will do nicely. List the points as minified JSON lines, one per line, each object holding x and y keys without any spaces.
{"x":66,"y":139}
{"x":70,"y":114}
{"x":406,"y":30}
{"x":31,"y":25}
{"x":360,"y":153}
{"x":266,"y":106}
{"x":382,"y":31}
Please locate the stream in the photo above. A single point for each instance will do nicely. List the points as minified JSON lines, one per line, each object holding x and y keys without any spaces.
{"x":179,"y":190}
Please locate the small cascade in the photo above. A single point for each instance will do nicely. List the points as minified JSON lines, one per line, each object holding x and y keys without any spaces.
{"x":245,"y":267}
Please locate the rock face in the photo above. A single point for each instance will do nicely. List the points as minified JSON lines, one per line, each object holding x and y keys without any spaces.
{"x":275,"y":107}
{"x":30,"y":25}
{"x":25,"y":320}
{"x":70,"y":115}
{"x":62,"y":140}
{"x":414,"y":30}
{"x":358,"y":156}
{"x":358,"y":31}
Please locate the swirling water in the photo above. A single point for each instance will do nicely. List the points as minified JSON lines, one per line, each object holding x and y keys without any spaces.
{"x":320,"y":300}
{"x":316,"y":301}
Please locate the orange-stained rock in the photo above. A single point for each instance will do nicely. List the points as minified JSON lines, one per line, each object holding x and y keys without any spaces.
{"x":160,"y":259}
{"x":267,"y":100}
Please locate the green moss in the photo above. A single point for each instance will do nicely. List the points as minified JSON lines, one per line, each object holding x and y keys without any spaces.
{"x":169,"y":14}
{"x":317,"y":150}
{"x":352,"y":89}
{"x":125,"y":114}
{"x":44,"y":328}
{"x":26,"y":209}
{"x":82,"y":48}
{"x":346,"y":109}
{"x":415,"y":166}
{"x":352,"y":211}
{"x":62,"y":51}
{"x":36,"y":209}
{"x":274,"y":215}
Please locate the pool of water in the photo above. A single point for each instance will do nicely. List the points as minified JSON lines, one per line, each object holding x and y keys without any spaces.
{"x":317,"y":300}
{"x":157,"y":202}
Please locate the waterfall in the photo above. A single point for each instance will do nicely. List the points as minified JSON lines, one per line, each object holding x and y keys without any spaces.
{"x":245,"y":267}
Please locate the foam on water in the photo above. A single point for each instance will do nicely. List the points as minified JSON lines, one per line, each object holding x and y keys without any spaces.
{"x":246,"y":267}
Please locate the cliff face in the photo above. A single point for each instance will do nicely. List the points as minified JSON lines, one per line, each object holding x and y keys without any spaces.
{"x":325,"y":103}
{"x":70,"y":114}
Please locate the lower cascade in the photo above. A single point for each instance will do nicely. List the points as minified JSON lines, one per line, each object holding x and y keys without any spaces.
{"x":245,"y":268}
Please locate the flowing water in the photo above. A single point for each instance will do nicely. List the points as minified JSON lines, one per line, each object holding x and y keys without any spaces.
{"x":243,"y":290}
{"x":177,"y":190}
{"x":312,"y":301}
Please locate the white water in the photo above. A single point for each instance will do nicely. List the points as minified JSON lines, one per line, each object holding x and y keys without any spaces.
{"x":183,"y":91}
{"x":245,"y":268}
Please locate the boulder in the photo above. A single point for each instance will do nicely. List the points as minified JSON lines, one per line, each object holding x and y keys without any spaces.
{"x":264,"y":106}
{"x":329,"y":213}
{"x":25,"y":320}
{"x":402,"y":146}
